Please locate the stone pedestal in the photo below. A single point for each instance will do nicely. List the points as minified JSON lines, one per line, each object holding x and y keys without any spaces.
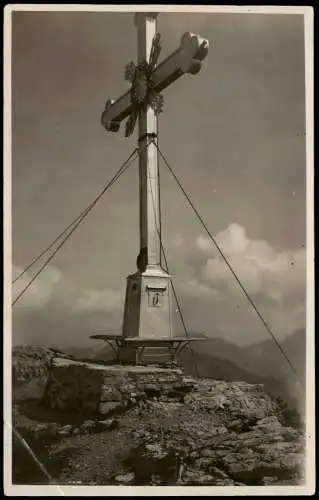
{"x":148,"y":310}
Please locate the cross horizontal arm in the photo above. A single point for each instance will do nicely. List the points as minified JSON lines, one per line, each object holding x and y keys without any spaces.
{"x":116,"y":111}
{"x":186,"y":59}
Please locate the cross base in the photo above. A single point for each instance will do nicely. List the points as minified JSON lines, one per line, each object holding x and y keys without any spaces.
{"x":147,"y":311}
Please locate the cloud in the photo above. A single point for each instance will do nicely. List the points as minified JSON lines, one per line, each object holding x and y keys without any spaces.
{"x":275,"y":280}
{"x":40,"y":291}
{"x":203,"y":243}
{"x":52,"y":289}
{"x":109,"y":301}
{"x":261,"y":268}
{"x":54,"y":312}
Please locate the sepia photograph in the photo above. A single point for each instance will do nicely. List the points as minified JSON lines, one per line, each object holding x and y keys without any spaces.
{"x":159,"y":250}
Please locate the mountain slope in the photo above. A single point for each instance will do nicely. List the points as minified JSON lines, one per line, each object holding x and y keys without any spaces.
{"x":215,"y":368}
{"x":267,"y":359}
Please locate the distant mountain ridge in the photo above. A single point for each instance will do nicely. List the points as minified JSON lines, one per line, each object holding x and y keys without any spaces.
{"x":263,"y":359}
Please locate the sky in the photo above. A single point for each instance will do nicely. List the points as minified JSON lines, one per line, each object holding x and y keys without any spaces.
{"x":234,"y":135}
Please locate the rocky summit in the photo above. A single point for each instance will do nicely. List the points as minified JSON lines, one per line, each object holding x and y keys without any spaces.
{"x":96,"y":424}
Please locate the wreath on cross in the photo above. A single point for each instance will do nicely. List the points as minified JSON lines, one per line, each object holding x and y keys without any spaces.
{"x":143,"y":93}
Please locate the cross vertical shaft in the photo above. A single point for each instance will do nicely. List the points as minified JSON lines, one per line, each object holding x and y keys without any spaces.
{"x":148,"y":300}
{"x":148,"y":157}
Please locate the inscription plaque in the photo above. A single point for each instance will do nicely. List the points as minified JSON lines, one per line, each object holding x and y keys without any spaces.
{"x":155,"y":296}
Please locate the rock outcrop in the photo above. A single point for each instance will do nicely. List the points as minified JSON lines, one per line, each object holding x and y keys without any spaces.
{"x":106,"y":425}
{"x":101,"y":389}
{"x":30,"y":371}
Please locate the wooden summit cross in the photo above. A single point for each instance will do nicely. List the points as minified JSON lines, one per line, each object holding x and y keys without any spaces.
{"x":147,"y":320}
